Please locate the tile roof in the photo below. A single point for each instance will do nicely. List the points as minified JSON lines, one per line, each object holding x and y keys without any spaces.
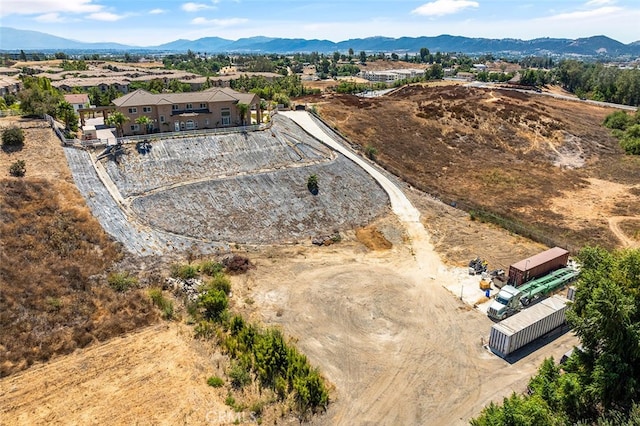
{"x":142,"y":97}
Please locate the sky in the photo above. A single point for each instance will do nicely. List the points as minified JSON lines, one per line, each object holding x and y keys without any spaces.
{"x":153,"y":22}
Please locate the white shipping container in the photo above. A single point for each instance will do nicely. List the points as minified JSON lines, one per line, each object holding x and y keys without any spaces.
{"x":526,"y":326}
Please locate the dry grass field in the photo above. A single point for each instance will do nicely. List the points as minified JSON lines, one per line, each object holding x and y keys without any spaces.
{"x":53,"y":258}
{"x":540,"y":162}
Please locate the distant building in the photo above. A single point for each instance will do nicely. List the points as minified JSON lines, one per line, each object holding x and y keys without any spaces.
{"x":175,"y":112}
{"x":389,"y":76}
{"x":9,"y":84}
{"x":78,"y":100}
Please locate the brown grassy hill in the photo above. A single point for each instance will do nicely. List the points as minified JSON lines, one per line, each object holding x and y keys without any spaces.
{"x":53,"y":255}
{"x":520,"y":156}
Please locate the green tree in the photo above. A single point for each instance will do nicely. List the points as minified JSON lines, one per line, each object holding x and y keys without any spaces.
{"x":145,"y":123}
{"x":363,"y":57}
{"x":38,"y":97}
{"x":242,"y":111}
{"x":67,"y":114}
{"x":117,"y":119}
{"x":436,"y":72}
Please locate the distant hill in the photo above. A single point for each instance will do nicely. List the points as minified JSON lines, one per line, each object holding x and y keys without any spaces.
{"x":13,"y":39}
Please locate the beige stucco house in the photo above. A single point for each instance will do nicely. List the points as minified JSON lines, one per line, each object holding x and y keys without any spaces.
{"x":175,"y":112}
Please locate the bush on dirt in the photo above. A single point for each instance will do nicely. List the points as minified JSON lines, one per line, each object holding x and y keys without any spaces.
{"x":215,"y":381}
{"x":184,"y":272}
{"x":371,"y":152}
{"x":237,"y":264}
{"x":165,"y":305}
{"x":211,"y":268}
{"x":18,"y":169}
{"x":12,"y":137}
{"x":214,"y":303}
{"x":121,"y":281}
{"x":220,"y":282}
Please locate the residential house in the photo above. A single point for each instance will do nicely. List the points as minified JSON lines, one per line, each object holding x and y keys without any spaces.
{"x":9,"y":84}
{"x":78,"y":100}
{"x":175,"y":112}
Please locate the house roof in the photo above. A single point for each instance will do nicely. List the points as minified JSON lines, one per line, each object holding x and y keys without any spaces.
{"x":79,"y":98}
{"x":142,"y":97}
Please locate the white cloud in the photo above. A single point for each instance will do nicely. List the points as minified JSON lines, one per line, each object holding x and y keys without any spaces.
{"x":195,"y":7}
{"x":157,"y":11}
{"x":105,"y":16}
{"x":46,"y":7}
{"x":219,"y":22}
{"x":50,"y":18}
{"x":600,"y":2}
{"x":599,"y":13}
{"x":444,"y":7}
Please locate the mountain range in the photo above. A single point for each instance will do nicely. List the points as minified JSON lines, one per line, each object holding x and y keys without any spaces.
{"x":12,"y":40}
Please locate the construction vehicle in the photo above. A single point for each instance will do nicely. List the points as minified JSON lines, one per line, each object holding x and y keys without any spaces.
{"x":477,"y":266}
{"x":510,"y":299}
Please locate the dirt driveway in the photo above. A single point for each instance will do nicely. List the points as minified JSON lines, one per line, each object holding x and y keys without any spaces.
{"x":398,"y":346}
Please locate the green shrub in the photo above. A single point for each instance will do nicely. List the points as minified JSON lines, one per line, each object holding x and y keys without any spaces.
{"x":371,"y":152}
{"x":215,"y":382}
{"x":239,"y":375}
{"x":220,"y":282}
{"x":18,"y":169}
{"x":214,"y":303}
{"x":121,"y":281}
{"x":312,"y":184}
{"x":12,"y":137}
{"x":165,"y":305}
{"x":211,"y":268}
{"x":184,"y":272}
{"x":617,"y":120}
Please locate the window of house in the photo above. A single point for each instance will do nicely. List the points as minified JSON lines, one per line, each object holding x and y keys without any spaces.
{"x":135,"y":127}
{"x":189,"y":106}
{"x":162,"y":118}
{"x":206,"y":121}
{"x":174,"y":107}
{"x":146,"y":109}
{"x":133,"y":110}
{"x":226,"y":116}
{"x":203,"y":106}
{"x":190,"y":125}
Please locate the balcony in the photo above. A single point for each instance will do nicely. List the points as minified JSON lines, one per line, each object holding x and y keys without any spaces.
{"x":190,"y":111}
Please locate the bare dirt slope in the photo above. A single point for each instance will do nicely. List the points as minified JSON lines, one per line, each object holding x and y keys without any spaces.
{"x":518,"y":155}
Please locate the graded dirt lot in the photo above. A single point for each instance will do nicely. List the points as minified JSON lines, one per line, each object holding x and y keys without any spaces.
{"x":545,"y":164}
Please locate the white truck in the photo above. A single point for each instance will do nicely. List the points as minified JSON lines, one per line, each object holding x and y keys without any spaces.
{"x":510,"y":299}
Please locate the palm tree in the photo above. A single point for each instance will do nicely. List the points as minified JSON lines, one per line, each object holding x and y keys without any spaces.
{"x":117,"y":119}
{"x":242,"y":109}
{"x":144,"y":122}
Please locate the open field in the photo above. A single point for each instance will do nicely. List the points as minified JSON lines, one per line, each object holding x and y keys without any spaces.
{"x":541,"y":162}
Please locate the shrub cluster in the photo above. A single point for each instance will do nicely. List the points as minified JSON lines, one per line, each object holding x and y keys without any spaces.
{"x":12,"y":137}
{"x":627,"y":129}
